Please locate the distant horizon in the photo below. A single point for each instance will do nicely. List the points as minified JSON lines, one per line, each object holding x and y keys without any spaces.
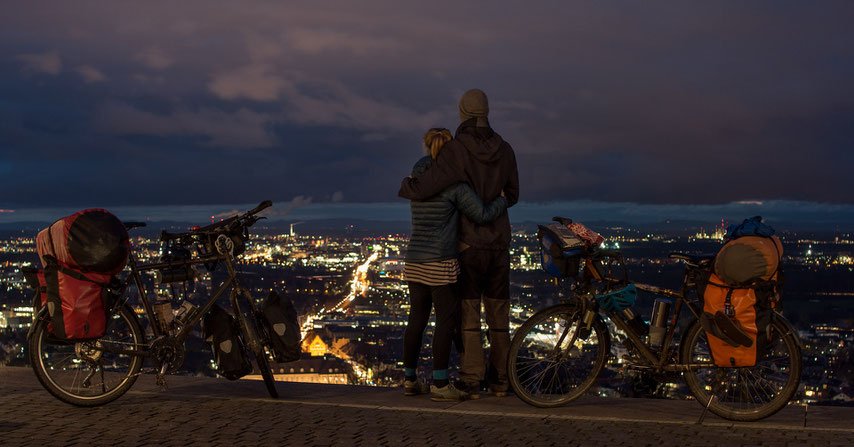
{"x":794,"y":215}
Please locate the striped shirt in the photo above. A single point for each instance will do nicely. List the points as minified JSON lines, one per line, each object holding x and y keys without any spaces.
{"x":436,"y":273}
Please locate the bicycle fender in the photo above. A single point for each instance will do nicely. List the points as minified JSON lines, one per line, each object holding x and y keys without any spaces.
{"x":789,"y":328}
{"x":41,"y":315}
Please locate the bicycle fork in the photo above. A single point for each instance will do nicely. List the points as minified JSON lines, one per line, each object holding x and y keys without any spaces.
{"x":252,"y":339}
{"x":225,"y":247}
{"x":582,"y":330}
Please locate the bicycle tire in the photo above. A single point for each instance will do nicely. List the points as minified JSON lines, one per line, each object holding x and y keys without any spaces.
{"x":262,"y":358}
{"x":783,"y":355}
{"x":528,"y":360}
{"x":122,"y":325}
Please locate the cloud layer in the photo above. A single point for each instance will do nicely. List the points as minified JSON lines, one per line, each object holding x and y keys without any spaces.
{"x":668,"y":103}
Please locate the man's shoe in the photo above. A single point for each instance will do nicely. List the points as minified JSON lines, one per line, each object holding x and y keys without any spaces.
{"x":497,"y":391}
{"x":472,"y":389}
{"x":447,"y":393}
{"x":414,"y":388}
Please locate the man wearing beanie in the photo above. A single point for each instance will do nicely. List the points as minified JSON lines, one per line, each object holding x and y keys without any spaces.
{"x":479,"y":156}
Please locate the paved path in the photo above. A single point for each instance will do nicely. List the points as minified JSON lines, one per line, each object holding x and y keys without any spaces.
{"x":201,"y":411}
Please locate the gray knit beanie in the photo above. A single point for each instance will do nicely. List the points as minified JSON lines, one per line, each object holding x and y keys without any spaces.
{"x":474,"y":104}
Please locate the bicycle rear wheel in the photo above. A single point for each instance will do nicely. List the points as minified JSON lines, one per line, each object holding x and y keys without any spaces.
{"x":750,"y":393}
{"x":86,"y":373}
{"x":546,"y":374}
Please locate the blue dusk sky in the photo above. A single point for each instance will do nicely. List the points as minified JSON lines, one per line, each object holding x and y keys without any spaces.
{"x":636,"y":106}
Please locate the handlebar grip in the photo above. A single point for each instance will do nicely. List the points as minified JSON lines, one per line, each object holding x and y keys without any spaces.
{"x":261,"y":206}
{"x":562,"y":220}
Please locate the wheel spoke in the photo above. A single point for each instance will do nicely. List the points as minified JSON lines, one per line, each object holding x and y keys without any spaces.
{"x":745,"y":393}
{"x":81,"y":372}
{"x":547,"y":366}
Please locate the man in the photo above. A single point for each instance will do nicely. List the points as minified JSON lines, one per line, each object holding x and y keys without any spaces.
{"x":479,"y":156}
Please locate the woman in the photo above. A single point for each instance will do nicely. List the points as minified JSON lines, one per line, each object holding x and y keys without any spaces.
{"x":432,"y":268}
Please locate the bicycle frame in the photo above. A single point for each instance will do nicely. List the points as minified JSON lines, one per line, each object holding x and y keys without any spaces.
{"x":182,"y":335}
{"x":660,"y":361}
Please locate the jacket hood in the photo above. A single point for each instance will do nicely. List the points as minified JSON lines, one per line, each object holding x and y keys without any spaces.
{"x":421,"y":166}
{"x":482,"y":142}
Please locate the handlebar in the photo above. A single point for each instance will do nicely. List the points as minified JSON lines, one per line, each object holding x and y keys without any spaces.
{"x":562,"y":220}
{"x":248,"y":217}
{"x":241,"y":220}
{"x":261,"y":207}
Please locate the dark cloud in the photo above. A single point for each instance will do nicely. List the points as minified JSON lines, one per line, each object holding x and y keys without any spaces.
{"x":185,"y":103}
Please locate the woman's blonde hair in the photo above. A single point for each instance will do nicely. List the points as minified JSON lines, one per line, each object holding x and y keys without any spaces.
{"x":434,"y":139}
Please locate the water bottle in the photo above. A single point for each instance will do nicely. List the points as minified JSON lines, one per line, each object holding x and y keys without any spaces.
{"x":163,"y":310}
{"x":185,"y":313}
{"x":658,"y":324}
{"x":635,"y":322}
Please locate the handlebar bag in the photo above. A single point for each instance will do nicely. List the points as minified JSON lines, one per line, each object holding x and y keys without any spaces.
{"x":220,"y":331}
{"x":280,"y":319}
{"x":560,"y":250}
{"x":92,"y":240}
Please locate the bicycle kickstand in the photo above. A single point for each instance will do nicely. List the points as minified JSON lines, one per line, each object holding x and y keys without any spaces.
{"x":709,"y":404}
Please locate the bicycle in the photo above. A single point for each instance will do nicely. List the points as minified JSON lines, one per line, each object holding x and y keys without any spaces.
{"x":96,"y":372}
{"x":559,"y":352}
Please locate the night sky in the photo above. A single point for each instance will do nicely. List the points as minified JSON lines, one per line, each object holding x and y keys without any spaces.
{"x":204,"y":102}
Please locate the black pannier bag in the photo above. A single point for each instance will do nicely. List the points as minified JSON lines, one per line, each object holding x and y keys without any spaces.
{"x":280,"y":317}
{"x":220,"y":331}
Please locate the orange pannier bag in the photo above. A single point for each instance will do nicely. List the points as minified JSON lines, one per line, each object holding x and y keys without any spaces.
{"x":739,"y":299}
{"x":752,"y":314}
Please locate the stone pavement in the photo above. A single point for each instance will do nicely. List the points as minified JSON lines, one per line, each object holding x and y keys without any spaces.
{"x":203,"y":411}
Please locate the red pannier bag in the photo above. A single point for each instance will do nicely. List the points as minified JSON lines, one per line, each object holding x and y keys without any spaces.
{"x":80,"y":254}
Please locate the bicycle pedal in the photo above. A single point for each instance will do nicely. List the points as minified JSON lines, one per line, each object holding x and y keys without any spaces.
{"x":161,"y":382}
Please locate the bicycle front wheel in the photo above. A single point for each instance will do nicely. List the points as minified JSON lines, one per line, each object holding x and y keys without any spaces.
{"x":262,"y":356}
{"x":749,"y":393}
{"x":93,"y":372}
{"x":547,"y":366}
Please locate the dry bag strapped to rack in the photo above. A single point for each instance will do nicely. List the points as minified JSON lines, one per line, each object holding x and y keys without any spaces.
{"x":742,"y":293}
{"x":282,"y":324}
{"x":220,"y":331}
{"x":80,"y":254}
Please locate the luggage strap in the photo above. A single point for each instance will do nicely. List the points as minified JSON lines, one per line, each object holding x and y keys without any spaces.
{"x":754,"y":285}
{"x":70,"y":272}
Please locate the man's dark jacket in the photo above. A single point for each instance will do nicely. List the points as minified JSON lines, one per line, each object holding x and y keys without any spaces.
{"x":435,"y":221}
{"x":479,"y":156}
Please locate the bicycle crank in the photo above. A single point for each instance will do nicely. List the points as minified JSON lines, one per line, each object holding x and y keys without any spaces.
{"x":168,"y":354}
